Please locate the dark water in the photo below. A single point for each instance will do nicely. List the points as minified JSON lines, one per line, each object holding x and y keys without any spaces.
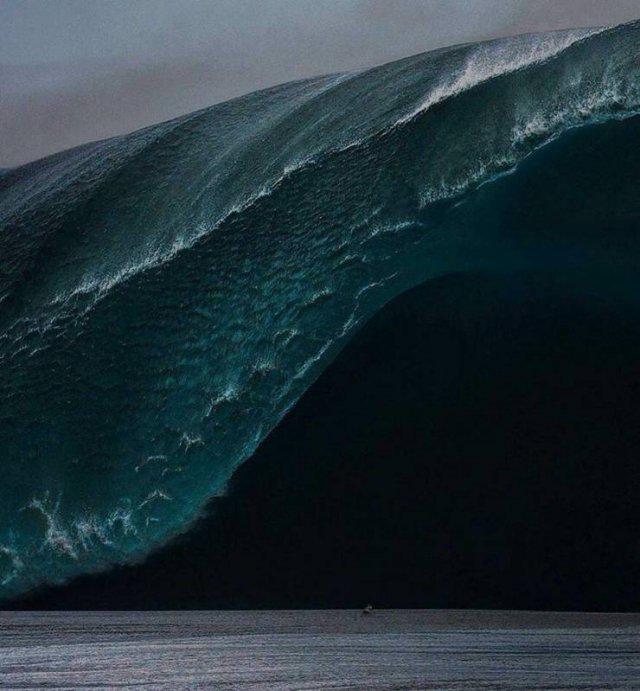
{"x":167,"y":297}
{"x":312,"y":650}
{"x":476,"y":442}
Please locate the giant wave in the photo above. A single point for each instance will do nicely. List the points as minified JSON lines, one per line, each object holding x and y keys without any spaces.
{"x":167,"y":296}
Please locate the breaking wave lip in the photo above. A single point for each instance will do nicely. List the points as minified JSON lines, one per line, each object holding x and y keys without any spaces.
{"x":483,"y":64}
{"x":255,"y":278}
{"x":479,"y":66}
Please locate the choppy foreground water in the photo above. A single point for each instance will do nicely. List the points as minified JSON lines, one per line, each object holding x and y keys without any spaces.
{"x":319,"y":649}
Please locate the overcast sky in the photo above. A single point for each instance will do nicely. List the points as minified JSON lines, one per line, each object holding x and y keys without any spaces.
{"x":73,"y":71}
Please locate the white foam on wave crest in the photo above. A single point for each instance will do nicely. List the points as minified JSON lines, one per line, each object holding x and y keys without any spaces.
{"x":581,"y":103}
{"x":99,"y":286}
{"x":496,"y":58}
{"x":484,"y":62}
{"x":614,"y":100}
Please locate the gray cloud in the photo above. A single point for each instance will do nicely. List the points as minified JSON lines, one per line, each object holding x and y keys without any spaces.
{"x":76,"y":70}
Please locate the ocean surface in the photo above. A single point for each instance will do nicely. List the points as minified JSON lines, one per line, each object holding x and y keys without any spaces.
{"x":392,"y":649}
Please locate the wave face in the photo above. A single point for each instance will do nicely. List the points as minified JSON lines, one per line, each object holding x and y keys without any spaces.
{"x":167,"y":296}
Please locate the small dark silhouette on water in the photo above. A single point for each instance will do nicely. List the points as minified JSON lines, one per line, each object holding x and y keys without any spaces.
{"x":367,"y":610}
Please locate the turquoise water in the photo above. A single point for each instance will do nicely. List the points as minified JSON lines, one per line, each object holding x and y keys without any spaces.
{"x":166,"y":296}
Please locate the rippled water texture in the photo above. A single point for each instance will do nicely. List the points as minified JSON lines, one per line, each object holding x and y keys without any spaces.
{"x":311,"y":650}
